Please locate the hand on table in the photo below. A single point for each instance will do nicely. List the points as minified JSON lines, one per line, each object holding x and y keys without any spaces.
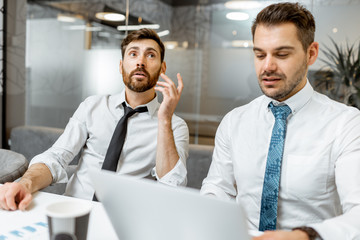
{"x":283,"y":235}
{"x":14,"y":196}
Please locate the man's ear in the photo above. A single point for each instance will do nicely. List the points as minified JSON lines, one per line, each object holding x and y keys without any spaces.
{"x":313,"y":52}
{"x":120,"y":66}
{"x":163,"y":67}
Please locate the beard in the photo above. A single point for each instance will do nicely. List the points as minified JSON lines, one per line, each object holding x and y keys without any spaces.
{"x":289,"y":86}
{"x":131,"y":81}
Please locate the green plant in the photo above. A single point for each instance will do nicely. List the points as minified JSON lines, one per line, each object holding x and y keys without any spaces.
{"x":340,"y":77}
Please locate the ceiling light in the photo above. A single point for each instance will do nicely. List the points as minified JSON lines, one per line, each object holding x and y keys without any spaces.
{"x":238,"y":16}
{"x":83,"y":27}
{"x":171,"y":44}
{"x":109,"y":16}
{"x":334,"y":30}
{"x":65,"y":18}
{"x":242,"y":43}
{"x":243,"y":4}
{"x":163,"y":33}
{"x":137,"y":27}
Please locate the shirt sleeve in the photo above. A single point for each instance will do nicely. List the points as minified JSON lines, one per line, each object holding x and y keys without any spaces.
{"x":177,"y":175}
{"x":220,"y":180}
{"x":69,"y":144}
{"x":347,"y":177}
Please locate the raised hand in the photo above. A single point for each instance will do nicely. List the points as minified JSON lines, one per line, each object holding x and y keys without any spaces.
{"x":166,"y":154}
{"x":171,"y":96}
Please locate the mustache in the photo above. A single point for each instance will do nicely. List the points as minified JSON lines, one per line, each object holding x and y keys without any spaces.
{"x":272,"y":74}
{"x":140,"y":69}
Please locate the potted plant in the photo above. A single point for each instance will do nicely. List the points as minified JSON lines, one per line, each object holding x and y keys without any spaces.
{"x":340,"y":77}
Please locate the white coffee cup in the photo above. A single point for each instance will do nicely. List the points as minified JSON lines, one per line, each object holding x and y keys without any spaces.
{"x":68,"y":220}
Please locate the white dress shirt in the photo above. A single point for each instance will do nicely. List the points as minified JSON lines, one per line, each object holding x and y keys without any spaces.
{"x":320,"y":173}
{"x":90,"y":129}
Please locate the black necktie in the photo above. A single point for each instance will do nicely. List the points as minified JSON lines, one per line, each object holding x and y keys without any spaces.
{"x":117,"y":141}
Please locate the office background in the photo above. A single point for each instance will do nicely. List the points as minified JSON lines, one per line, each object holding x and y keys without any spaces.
{"x":53,"y":64}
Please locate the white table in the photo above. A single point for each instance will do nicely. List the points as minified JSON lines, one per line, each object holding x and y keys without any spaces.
{"x":32,"y":223}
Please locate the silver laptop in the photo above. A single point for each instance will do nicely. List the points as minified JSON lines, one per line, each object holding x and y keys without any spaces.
{"x":143,"y":209}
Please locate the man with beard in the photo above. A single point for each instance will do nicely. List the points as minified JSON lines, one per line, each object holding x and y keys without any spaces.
{"x":156,"y":143}
{"x":291,"y":157}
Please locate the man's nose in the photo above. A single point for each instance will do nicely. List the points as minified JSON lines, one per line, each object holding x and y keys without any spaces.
{"x":141,"y":62}
{"x":270,"y":64}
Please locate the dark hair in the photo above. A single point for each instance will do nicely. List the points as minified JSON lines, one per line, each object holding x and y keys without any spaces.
{"x":288,"y":13}
{"x":143,"y":33}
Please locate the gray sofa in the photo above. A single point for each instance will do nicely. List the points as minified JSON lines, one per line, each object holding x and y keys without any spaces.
{"x":32,"y":140}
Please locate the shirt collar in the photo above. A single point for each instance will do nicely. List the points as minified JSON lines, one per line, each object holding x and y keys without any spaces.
{"x":152,"y":106}
{"x":297,"y":101}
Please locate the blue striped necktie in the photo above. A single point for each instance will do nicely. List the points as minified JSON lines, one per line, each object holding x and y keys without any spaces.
{"x":269,"y":199}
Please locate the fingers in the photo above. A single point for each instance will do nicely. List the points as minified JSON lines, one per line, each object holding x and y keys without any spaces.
{"x":3,"y":204}
{"x":171,"y":96}
{"x":25,"y":202}
{"x":166,"y":79}
{"x":180,"y":83}
{"x":168,"y":87}
{"x":10,"y":200}
{"x":4,"y":195}
{"x":11,"y":194}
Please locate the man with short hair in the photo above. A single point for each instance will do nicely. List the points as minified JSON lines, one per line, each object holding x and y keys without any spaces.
{"x":292,"y":156}
{"x":156,"y":143}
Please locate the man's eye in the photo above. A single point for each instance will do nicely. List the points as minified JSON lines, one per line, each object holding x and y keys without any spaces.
{"x":151,"y":55}
{"x":283,"y":55}
{"x":132,"y":54}
{"x":260,"y":56}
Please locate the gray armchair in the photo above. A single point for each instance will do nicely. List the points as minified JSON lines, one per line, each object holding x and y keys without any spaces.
{"x":12,"y":165}
{"x":33,"y":140}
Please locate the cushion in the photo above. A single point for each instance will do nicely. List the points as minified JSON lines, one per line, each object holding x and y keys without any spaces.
{"x":12,"y":165}
{"x":198,"y":164}
{"x":33,"y":140}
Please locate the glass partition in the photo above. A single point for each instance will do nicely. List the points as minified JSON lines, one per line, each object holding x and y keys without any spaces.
{"x":2,"y":75}
{"x":69,"y":60}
